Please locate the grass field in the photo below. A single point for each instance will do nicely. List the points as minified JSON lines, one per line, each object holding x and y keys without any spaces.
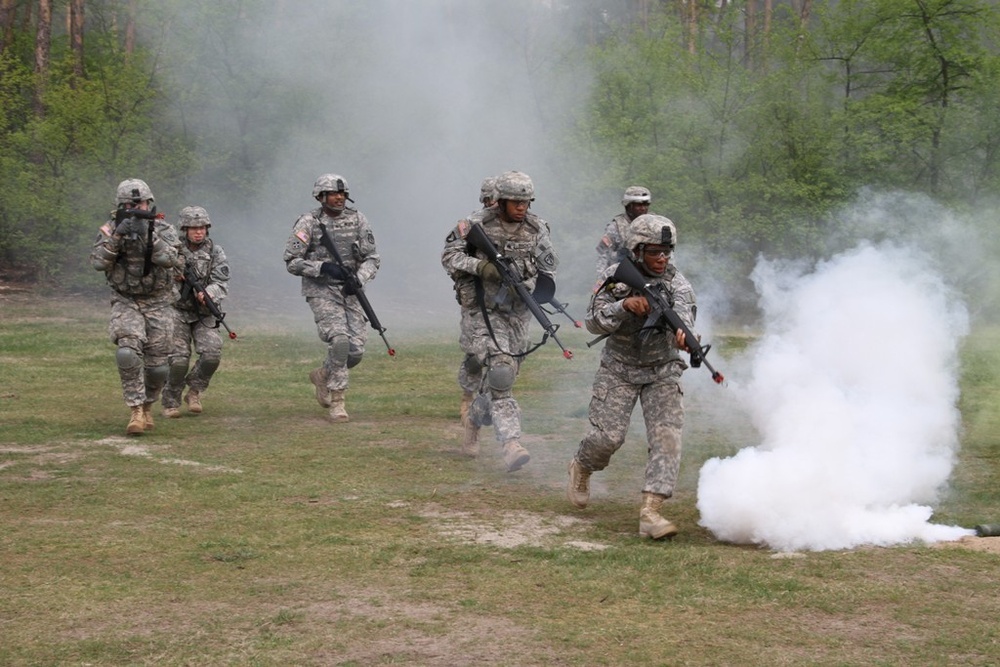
{"x":260,"y":534}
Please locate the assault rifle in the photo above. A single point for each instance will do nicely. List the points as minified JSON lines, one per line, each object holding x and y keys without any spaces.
{"x":353,"y":286}
{"x":192,"y":283}
{"x":661,"y":311}
{"x":545,"y":294}
{"x":511,"y":277}
{"x":129,"y":223}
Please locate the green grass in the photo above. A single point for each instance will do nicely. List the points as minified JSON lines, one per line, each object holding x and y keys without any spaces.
{"x":261,"y":534}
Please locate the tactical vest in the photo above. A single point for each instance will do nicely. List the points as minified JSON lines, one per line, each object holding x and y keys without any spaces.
{"x":629,"y":346}
{"x":126,"y":275}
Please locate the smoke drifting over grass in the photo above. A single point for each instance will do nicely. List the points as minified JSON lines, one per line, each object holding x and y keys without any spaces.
{"x":853,"y":389}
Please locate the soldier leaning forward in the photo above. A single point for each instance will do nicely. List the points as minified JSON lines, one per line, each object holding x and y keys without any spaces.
{"x":327,"y":283}
{"x":638,"y":365}
{"x":139,"y":254}
{"x":205,"y":281}
{"x":494,"y":321}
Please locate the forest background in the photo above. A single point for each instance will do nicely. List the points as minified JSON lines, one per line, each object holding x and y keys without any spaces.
{"x":788,"y":129}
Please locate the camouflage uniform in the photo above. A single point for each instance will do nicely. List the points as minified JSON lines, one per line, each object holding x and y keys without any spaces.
{"x":340,"y":319}
{"x":142,"y":315}
{"x":194,"y":324}
{"x":528,"y":244}
{"x":635,"y":367}
{"x":611,"y":245}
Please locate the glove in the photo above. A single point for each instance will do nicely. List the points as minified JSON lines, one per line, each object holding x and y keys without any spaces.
{"x":332,"y":270}
{"x":487,"y":271}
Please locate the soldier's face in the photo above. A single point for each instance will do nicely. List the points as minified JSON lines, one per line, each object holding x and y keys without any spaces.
{"x":515,"y":211}
{"x":197,"y":234}
{"x":655,"y":258}
{"x":635,"y":209}
{"x":335,"y":200}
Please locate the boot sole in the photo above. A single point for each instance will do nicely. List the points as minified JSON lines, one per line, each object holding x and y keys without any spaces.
{"x":669,"y":532}
{"x":518,"y":463}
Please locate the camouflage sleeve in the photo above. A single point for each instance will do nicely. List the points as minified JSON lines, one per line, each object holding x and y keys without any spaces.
{"x":607,"y":247}
{"x":368,"y":258}
{"x":455,"y":259}
{"x":297,"y":249}
{"x":106,"y":247}
{"x":218,"y":279}
{"x":684,"y":302}
{"x":606,"y":312}
{"x":166,"y":246}
{"x":546,"y":260}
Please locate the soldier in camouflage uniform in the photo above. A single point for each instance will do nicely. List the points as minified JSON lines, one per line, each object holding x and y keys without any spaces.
{"x":611,"y":248}
{"x":494,"y":324}
{"x":206,"y":261}
{"x":470,"y":375}
{"x":338,"y":314}
{"x":635,"y":366}
{"x":139,"y":254}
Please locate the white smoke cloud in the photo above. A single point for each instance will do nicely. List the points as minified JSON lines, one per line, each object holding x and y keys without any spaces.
{"x":853,"y":391}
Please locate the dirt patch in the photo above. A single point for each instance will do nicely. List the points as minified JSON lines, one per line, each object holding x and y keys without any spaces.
{"x":987,"y":544}
{"x":510,"y":529}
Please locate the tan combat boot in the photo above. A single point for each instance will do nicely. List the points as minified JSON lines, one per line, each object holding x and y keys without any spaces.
{"x":136,"y":422}
{"x":319,"y":377}
{"x":651,"y":524}
{"x":171,"y":413}
{"x":338,"y":412}
{"x":147,"y":416}
{"x":463,"y":409}
{"x":514,"y":455}
{"x":193,"y":400}
{"x":578,"y":490}
{"x":470,"y":445}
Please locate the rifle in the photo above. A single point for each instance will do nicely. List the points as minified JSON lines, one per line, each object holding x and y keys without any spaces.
{"x":128,"y":222}
{"x":195,"y":285}
{"x":661,"y":310}
{"x":511,"y":277}
{"x":353,"y":286}
{"x":545,"y":294}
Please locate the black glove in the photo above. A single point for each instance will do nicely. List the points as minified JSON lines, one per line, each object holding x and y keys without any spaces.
{"x":333,"y":270}
{"x":351,"y":285}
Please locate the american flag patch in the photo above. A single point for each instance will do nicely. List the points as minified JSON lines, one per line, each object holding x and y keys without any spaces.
{"x":605,"y":241}
{"x":106,"y":229}
{"x":464,"y":227}
{"x":302,"y":236}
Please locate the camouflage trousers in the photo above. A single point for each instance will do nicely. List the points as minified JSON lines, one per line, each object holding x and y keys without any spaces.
{"x":498,"y":356}
{"x":207,"y":345}
{"x":617,"y":387}
{"x":145,"y":326}
{"x":342,"y":326}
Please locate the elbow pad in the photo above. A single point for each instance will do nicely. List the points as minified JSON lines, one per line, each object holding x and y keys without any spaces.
{"x":103,"y":257}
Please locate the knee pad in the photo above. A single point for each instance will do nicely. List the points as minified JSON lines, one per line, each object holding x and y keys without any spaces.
{"x":340,"y":349}
{"x":472,"y":365}
{"x":178,"y":371}
{"x":501,"y":373}
{"x":156,"y":376}
{"x":354,"y":357}
{"x":127,"y":358}
{"x":208,"y":365}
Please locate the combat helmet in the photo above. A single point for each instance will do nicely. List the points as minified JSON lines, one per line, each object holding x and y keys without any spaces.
{"x":636,"y":194}
{"x":488,"y":190}
{"x":515,"y":186}
{"x":133,"y":190}
{"x":194,"y":216}
{"x":650,"y":229}
{"x":330,"y":183}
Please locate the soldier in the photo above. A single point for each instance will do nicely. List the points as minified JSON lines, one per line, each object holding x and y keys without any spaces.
{"x":470,"y":382}
{"x":636,"y":366}
{"x":326,"y":283}
{"x":204,"y":263}
{"x":494,"y":324}
{"x":611,"y":248}
{"x":139,"y":254}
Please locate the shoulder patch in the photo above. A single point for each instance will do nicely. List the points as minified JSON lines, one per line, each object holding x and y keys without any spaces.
{"x":463,"y":228}
{"x":106,"y":229}
{"x":302,"y":236}
{"x":606,"y":241}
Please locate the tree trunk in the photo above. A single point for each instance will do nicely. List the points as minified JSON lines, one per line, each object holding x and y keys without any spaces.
{"x":76,"y":36}
{"x":130,"y":26}
{"x":750,"y":32}
{"x":43,"y":43}
{"x":7,"y":12}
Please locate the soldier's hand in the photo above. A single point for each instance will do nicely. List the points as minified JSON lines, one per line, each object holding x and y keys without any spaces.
{"x":333,"y":270}
{"x":637,"y":305}
{"x":681,"y":340}
{"x":488,"y":271}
